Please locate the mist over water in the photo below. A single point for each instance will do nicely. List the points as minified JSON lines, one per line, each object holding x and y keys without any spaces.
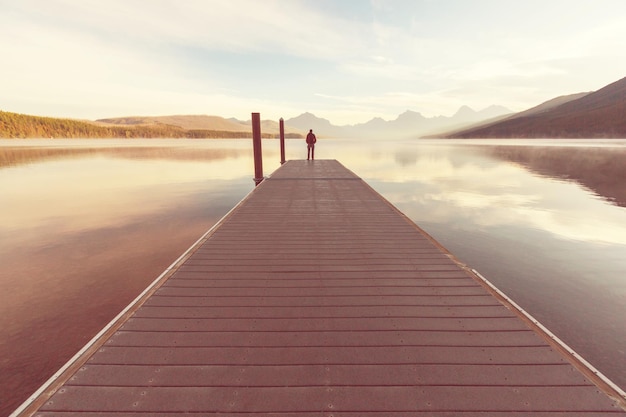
{"x":85,"y":226}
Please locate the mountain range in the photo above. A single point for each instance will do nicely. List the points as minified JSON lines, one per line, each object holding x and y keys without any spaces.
{"x":597,"y":114}
{"x":409,"y":124}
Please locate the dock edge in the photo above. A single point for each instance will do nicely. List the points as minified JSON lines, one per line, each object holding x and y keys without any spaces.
{"x":603,"y":382}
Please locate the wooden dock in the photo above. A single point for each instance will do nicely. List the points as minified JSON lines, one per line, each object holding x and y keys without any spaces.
{"x":316,"y":297}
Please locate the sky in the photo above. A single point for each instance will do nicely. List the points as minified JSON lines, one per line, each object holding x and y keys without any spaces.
{"x":344,"y":60}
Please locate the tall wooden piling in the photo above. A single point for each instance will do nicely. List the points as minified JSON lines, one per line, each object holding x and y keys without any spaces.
{"x":256,"y":143}
{"x":282,"y":140}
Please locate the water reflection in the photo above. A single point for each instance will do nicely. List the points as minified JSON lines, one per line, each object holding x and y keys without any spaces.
{"x":600,"y":169}
{"x":34,"y":151}
{"x":477,"y":185}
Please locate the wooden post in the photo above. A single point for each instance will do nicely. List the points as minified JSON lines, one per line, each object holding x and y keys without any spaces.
{"x":256,"y":143}
{"x":282,"y":140}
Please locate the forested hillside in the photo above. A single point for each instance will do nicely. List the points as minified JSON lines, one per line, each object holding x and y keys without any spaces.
{"x":14,"y":125}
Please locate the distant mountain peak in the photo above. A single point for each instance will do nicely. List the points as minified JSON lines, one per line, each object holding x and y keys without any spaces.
{"x":497,"y":107}
{"x":410,"y":114}
{"x":464,"y":111}
{"x":308,"y":120}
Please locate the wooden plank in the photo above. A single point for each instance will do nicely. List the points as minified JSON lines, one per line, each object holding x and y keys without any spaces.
{"x":316,"y":375}
{"x":427,"y":413}
{"x":316,"y":399}
{"x":282,"y":322}
{"x":454,"y":313}
{"x":323,"y":338}
{"x":322,"y":301}
{"x":320,"y":355}
{"x":202,"y":284}
{"x":316,"y":297}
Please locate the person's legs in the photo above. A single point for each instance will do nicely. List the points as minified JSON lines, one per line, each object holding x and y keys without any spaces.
{"x":308,"y":152}
{"x":312,"y":151}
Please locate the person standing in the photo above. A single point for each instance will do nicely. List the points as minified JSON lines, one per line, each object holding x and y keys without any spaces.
{"x":310,"y":144}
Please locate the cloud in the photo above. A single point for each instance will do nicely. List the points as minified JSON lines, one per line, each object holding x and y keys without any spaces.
{"x":379,"y":56}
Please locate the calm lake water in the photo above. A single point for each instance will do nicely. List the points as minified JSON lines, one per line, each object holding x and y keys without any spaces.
{"x":86,"y":225}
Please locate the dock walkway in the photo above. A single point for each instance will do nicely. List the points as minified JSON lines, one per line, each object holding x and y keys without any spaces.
{"x":317,"y":297}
